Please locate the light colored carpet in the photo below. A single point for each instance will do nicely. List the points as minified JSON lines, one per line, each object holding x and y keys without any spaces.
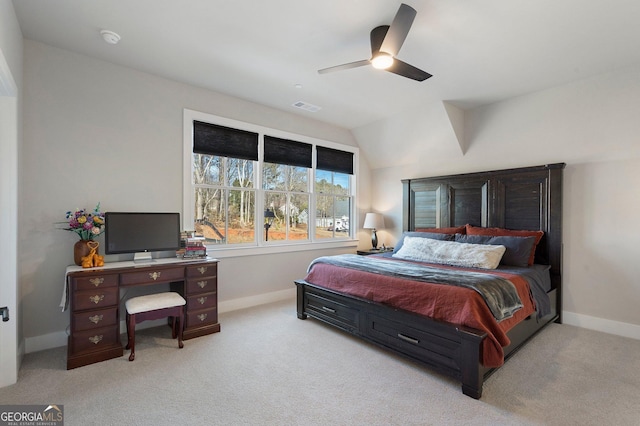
{"x":267,"y":367}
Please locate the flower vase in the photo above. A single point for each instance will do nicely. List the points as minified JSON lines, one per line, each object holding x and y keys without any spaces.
{"x":82,"y":248}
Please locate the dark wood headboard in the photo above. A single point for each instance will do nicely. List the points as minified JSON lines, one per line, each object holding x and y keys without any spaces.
{"x":527,"y":198}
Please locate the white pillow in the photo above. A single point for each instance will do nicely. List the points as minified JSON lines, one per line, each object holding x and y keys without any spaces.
{"x":451,"y":253}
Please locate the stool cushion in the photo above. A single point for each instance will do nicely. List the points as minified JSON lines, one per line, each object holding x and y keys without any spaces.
{"x":152,"y":302}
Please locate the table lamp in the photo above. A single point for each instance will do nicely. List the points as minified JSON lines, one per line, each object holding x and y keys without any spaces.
{"x":373,"y":221}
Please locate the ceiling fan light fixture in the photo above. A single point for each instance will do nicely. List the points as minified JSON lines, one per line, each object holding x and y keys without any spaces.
{"x":382,"y":61}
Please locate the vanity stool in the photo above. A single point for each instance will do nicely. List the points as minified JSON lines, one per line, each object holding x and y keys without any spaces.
{"x":152,"y":307}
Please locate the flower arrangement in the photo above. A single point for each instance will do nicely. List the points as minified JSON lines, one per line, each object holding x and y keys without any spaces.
{"x":87,"y":225}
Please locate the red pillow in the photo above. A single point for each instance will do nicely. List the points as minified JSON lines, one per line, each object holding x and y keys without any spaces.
{"x":453,"y":230}
{"x":494,"y":232}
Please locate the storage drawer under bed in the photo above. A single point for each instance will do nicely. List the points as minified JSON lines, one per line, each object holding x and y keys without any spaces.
{"x":424,"y":345}
{"x":330,"y":310}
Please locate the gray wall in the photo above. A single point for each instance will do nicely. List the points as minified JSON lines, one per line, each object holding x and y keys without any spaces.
{"x":100,"y":132}
{"x":592,"y":125}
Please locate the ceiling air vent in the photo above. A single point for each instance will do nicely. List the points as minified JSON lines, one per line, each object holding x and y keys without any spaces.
{"x":306,"y":106}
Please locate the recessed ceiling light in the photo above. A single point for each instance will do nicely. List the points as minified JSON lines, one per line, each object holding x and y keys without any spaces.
{"x":110,"y":37}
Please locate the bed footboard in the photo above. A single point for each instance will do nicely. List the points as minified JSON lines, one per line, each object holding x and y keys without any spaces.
{"x":448,"y":348}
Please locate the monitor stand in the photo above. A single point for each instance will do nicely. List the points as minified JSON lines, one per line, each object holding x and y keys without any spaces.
{"x":142,"y":257}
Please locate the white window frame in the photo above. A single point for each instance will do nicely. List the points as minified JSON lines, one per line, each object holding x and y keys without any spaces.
{"x":261,"y":246}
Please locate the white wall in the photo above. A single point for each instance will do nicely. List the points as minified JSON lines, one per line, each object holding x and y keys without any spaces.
{"x":99,"y":132}
{"x":592,"y":125}
{"x":95,"y":131}
{"x":10,"y":125}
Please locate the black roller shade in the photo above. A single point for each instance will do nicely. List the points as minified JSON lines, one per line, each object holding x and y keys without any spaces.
{"x":334,"y":160}
{"x":224,"y":141}
{"x":285,"y":151}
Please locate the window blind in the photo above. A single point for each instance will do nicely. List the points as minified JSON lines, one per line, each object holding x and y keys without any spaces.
{"x":334,"y":160}
{"x":285,"y":151}
{"x":213,"y":139}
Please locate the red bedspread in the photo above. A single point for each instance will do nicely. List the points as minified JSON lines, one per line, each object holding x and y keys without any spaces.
{"x":453,"y":304}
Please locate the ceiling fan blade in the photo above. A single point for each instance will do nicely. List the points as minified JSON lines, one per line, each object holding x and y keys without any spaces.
{"x":398,"y":30}
{"x":377,"y":37}
{"x":344,"y":66}
{"x":409,"y":71}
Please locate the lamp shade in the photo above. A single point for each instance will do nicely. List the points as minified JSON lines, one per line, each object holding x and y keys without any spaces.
{"x":373,"y":221}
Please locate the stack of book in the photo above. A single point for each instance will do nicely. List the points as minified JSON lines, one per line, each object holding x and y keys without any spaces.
{"x":191,"y":247}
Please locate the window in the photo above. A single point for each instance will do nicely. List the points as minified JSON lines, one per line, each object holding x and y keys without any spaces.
{"x":285,"y":180}
{"x":223,"y":183}
{"x":332,"y":186}
{"x":333,"y":205}
{"x":248,"y":186}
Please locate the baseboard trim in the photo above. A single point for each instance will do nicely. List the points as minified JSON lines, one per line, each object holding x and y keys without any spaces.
{"x":59,"y":338}
{"x":600,"y":324}
{"x":261,"y":299}
{"x":45,"y":341}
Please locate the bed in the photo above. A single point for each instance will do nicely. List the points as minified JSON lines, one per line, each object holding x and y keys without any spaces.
{"x":360,"y":298}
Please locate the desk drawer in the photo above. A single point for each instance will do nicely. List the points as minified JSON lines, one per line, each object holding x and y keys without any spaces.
{"x":203,"y":285}
{"x":152,"y":275}
{"x":95,"y":299}
{"x":94,"y":319}
{"x":202,"y":301}
{"x":202,"y":317}
{"x":94,"y":282}
{"x":199,"y":271}
{"x":95,"y":340}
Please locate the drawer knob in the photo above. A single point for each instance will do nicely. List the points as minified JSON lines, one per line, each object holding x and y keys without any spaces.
{"x":154,"y":275}
{"x":202,"y":299}
{"x":95,"y":319}
{"x":202,"y":270}
{"x":202,"y":317}
{"x":202,"y":284}
{"x":96,"y":281}
{"x":95,"y":339}
{"x":324,"y":308}
{"x":97,"y":298}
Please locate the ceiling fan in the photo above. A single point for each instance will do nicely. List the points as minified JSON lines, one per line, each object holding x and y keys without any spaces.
{"x":386,"y":42}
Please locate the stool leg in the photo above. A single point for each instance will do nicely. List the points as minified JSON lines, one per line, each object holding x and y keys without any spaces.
{"x":128,"y":334}
{"x":131,"y":335}
{"x":174,"y":329}
{"x":180,"y":327}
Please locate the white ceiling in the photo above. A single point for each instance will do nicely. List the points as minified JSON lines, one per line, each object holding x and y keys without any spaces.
{"x":478,"y":51}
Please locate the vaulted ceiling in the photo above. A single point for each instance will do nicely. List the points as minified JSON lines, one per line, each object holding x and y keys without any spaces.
{"x":269,"y":52}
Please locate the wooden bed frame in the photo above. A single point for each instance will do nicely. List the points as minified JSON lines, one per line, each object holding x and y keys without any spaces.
{"x":526,"y":198}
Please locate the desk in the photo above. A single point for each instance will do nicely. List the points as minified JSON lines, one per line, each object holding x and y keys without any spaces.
{"x":94,"y":301}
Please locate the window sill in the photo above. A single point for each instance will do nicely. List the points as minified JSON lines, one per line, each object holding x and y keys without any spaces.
{"x":228,"y":252}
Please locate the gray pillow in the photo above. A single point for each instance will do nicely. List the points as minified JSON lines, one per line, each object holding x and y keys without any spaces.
{"x":518,"y":248}
{"x":431,"y":235}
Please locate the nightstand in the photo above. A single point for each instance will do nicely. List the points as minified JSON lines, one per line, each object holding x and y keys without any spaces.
{"x":374,"y":251}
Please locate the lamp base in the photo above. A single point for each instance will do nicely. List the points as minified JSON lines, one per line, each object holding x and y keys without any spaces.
{"x":374,"y":240}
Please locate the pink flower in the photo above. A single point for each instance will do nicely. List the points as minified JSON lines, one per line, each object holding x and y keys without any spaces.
{"x":87,"y":224}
